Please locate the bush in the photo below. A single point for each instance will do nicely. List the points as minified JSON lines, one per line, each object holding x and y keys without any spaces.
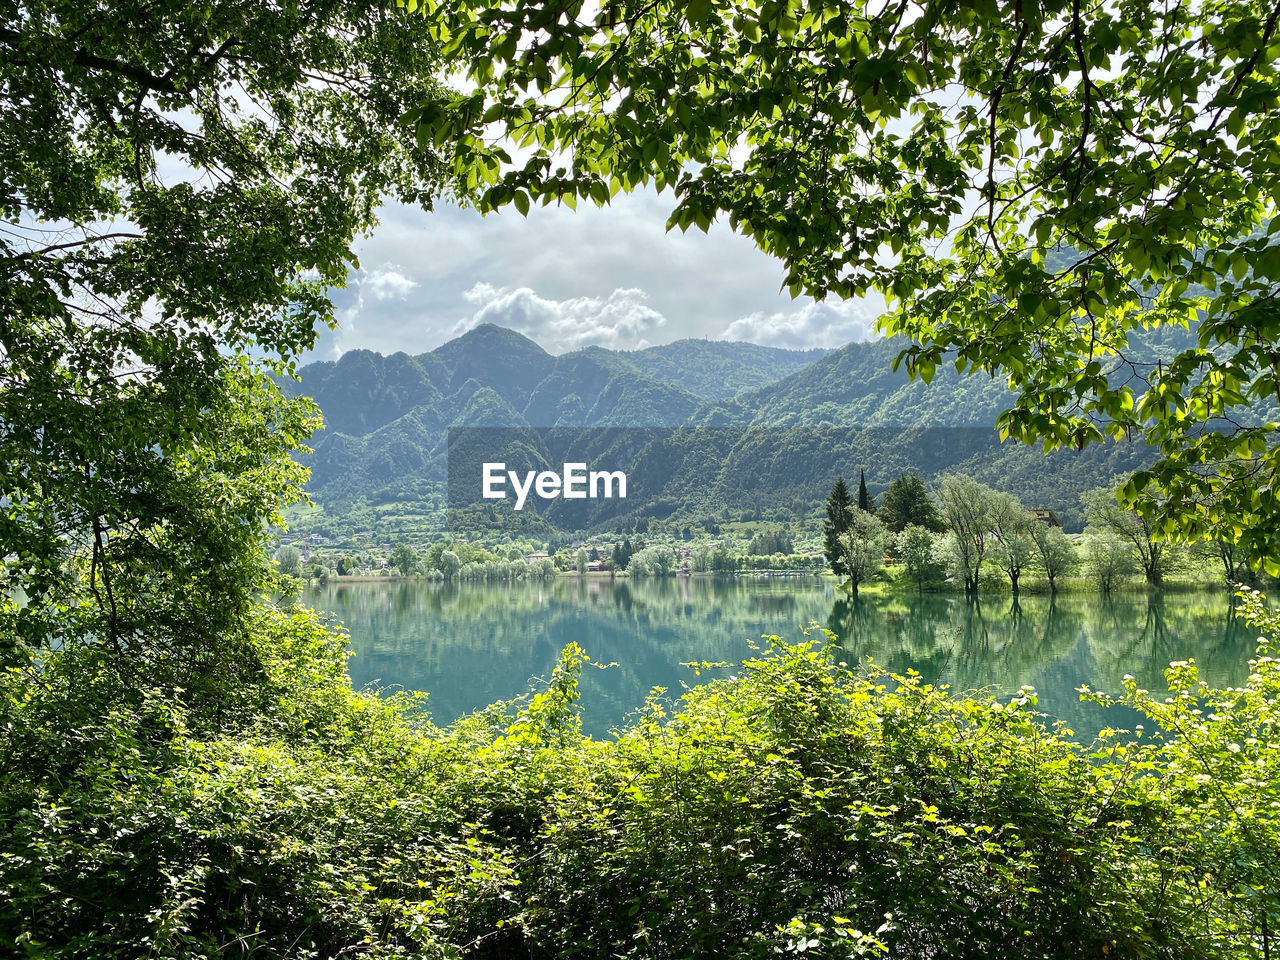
{"x":796,"y":808}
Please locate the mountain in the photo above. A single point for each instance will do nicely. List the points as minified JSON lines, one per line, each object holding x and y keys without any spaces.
{"x":729,"y":429}
{"x":718,"y":369}
{"x":387,"y":417}
{"x":856,"y":386}
{"x":364,"y":390}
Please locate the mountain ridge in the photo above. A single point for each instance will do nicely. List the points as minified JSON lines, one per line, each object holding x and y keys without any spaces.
{"x":787,"y":422}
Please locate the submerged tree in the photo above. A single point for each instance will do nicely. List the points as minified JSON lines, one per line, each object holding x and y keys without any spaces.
{"x":1057,"y":553}
{"x":1235,"y":568}
{"x":1109,"y":557}
{"x":862,"y":548}
{"x":1013,"y":545}
{"x":966,"y":507}
{"x":450,"y":565}
{"x":1139,"y":530}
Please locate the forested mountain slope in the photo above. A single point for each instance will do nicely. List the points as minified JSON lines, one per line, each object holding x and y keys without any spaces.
{"x":772,"y":449}
{"x":387,"y":417}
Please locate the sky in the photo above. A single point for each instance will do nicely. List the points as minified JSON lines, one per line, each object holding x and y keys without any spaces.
{"x":611,"y":277}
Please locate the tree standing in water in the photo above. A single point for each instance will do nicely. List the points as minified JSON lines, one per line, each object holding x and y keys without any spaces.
{"x":862,"y":548}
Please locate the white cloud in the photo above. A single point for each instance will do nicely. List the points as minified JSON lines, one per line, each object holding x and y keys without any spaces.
{"x":387,"y":283}
{"x":382,"y":284}
{"x":623,"y":320}
{"x":825,"y":324}
{"x":568,"y":279}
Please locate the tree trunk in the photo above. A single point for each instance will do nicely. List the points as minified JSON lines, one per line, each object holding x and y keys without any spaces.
{"x":1152,"y":567}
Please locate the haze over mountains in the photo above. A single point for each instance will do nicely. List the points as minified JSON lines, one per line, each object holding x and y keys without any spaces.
{"x":785,"y":424}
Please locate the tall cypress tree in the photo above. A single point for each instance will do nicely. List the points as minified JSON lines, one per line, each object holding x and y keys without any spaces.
{"x":839,"y":503}
{"x":864,"y":499}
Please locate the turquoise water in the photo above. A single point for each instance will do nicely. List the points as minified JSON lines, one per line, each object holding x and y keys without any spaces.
{"x":468,"y":645}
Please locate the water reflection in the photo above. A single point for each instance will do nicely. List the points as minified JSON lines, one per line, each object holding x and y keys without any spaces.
{"x":469,"y":645}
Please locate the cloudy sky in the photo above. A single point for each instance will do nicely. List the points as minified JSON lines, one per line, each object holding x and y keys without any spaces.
{"x":612,"y":277}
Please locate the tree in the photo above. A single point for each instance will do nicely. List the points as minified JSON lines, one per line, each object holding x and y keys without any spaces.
{"x":862,"y":548}
{"x":966,"y":507}
{"x":906,"y":502}
{"x":289,"y":561}
{"x":404,"y":559}
{"x":582,"y":561}
{"x":1108,"y":556}
{"x":450,"y":565}
{"x":180,"y":191}
{"x":622,"y":555}
{"x":768,"y":542}
{"x":346,"y":566}
{"x":865,"y":502}
{"x":723,"y":560}
{"x":652,"y":562}
{"x":1102,"y":510}
{"x":1057,"y":553}
{"x":1234,"y":567}
{"x":1013,"y":545}
{"x":839,"y":503}
{"x":1052,"y":180}
{"x":917,"y":549}
{"x":701,"y":558}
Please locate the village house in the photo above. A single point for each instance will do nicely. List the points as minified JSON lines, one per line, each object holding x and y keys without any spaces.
{"x":1047,"y":517}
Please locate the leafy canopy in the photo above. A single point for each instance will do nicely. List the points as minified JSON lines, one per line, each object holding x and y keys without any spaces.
{"x":1028,"y":183}
{"x":178,"y":187}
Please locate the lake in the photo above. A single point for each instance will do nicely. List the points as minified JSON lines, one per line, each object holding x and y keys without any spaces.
{"x":468,"y":645}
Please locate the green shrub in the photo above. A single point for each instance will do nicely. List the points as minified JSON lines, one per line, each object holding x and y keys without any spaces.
{"x":795,"y":808}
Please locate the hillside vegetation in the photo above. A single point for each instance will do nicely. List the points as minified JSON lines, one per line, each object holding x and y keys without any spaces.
{"x":745,"y":428}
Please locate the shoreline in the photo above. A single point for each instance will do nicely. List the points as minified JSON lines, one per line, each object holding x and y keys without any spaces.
{"x":1073,"y":588}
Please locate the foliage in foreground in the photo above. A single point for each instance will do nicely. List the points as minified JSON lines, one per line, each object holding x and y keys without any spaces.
{"x":794,"y":808}
{"x":1122,"y":156}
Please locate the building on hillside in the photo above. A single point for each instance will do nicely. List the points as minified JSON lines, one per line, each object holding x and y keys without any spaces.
{"x":538,"y":555}
{"x":1046,"y":517}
